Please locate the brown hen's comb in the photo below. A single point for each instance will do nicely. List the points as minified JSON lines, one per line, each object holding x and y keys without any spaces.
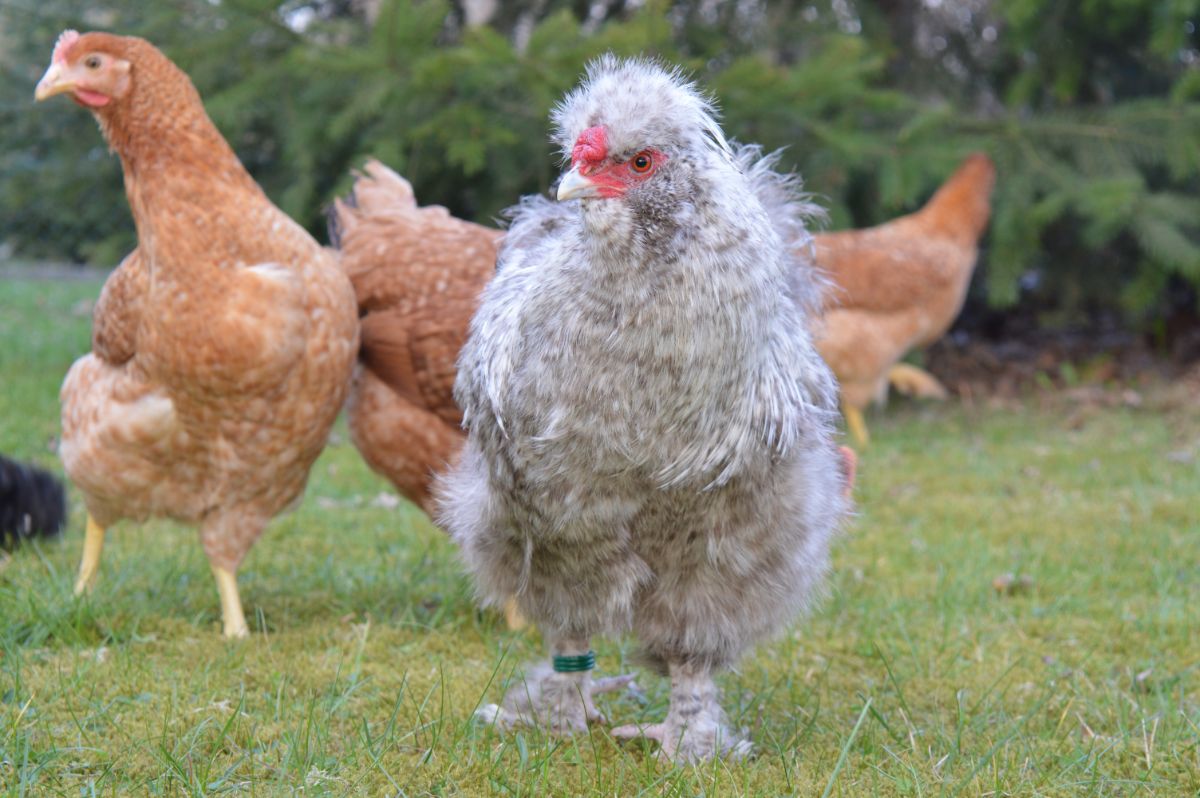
{"x":66,"y":40}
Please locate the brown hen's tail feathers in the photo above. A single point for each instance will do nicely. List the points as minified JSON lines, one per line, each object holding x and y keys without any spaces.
{"x":377,"y":191}
{"x":32,"y":503}
{"x":961,"y":207}
{"x":416,"y":272}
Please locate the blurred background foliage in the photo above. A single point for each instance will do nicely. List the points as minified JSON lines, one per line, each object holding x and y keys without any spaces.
{"x":1090,"y":108}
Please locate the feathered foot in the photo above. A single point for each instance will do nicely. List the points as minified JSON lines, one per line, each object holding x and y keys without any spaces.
{"x":695,"y":728}
{"x":232,"y":617}
{"x":912,"y":381}
{"x":855,"y":425}
{"x":93,"y":544}
{"x":560,"y":703}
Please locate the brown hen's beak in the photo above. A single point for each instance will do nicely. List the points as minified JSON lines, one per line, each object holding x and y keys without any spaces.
{"x":54,"y":82}
{"x":575,"y":186}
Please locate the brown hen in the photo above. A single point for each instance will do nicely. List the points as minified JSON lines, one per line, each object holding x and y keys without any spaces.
{"x":222,"y":346}
{"x":417,"y":273}
{"x":899,"y":286}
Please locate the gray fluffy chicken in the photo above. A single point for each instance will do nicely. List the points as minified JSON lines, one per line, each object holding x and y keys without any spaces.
{"x":650,"y":428}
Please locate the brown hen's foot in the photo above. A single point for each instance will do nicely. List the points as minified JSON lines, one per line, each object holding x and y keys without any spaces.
{"x":513,"y":617}
{"x":560,"y":703}
{"x":912,"y":381}
{"x":856,"y":426}
{"x":232,"y":618}
{"x":695,"y":728}
{"x":93,"y":544}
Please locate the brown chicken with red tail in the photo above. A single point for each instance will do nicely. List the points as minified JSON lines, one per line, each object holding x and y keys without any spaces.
{"x":222,"y":345}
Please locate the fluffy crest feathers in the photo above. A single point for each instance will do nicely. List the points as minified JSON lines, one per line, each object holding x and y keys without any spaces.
{"x":642,"y":103}
{"x":66,"y":40}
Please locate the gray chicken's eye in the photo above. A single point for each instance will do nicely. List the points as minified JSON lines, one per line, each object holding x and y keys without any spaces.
{"x":92,"y":62}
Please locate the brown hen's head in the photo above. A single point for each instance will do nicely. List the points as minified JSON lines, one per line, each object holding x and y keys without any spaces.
{"x":141,"y":99}
{"x":119,"y":78}
{"x":95,"y":68}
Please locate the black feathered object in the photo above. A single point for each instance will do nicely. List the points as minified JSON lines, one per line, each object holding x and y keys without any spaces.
{"x":32,"y":503}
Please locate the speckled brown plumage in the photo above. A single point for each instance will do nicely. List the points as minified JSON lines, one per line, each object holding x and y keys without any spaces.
{"x":418,"y":273}
{"x":222,"y":346}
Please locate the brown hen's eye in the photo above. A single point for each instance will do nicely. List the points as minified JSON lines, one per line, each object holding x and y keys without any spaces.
{"x":641,"y":162}
{"x":92,"y":62}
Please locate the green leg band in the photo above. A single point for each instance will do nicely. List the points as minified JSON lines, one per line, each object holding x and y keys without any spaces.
{"x":575,"y":663}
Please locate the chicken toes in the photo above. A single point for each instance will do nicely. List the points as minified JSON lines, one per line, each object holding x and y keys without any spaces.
{"x":695,"y":728}
{"x":560,"y":703}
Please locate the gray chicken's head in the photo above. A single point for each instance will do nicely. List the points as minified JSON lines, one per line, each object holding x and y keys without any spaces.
{"x":643,"y":144}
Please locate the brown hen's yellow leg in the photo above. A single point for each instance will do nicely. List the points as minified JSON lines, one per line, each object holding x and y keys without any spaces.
{"x":856,"y":425}
{"x":512,"y":614}
{"x":93,"y":542}
{"x":232,"y":617}
{"x":912,"y":381}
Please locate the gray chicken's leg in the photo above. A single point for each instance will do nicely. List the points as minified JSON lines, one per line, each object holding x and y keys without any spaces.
{"x":560,"y":703}
{"x":695,"y":728}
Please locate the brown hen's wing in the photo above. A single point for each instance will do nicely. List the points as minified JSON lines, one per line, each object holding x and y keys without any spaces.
{"x":415,"y":358}
{"x":118,"y":311}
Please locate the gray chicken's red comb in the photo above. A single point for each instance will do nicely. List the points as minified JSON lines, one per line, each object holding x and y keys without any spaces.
{"x":66,"y":40}
{"x":591,"y":147}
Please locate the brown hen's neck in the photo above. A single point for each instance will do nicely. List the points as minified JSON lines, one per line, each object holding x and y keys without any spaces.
{"x":166,"y":141}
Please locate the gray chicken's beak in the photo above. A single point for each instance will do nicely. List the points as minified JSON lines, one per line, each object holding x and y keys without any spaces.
{"x":575,"y":186}
{"x":52,"y":83}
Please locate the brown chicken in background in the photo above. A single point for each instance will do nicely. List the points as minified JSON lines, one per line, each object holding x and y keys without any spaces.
{"x":900,"y":286}
{"x":222,"y":345}
{"x":417,"y":273}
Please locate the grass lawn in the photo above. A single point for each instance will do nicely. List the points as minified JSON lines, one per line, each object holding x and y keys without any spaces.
{"x":916,"y":677}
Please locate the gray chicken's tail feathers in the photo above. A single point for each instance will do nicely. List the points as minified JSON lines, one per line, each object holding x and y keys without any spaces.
{"x":32,"y":503}
{"x":792,"y":212}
